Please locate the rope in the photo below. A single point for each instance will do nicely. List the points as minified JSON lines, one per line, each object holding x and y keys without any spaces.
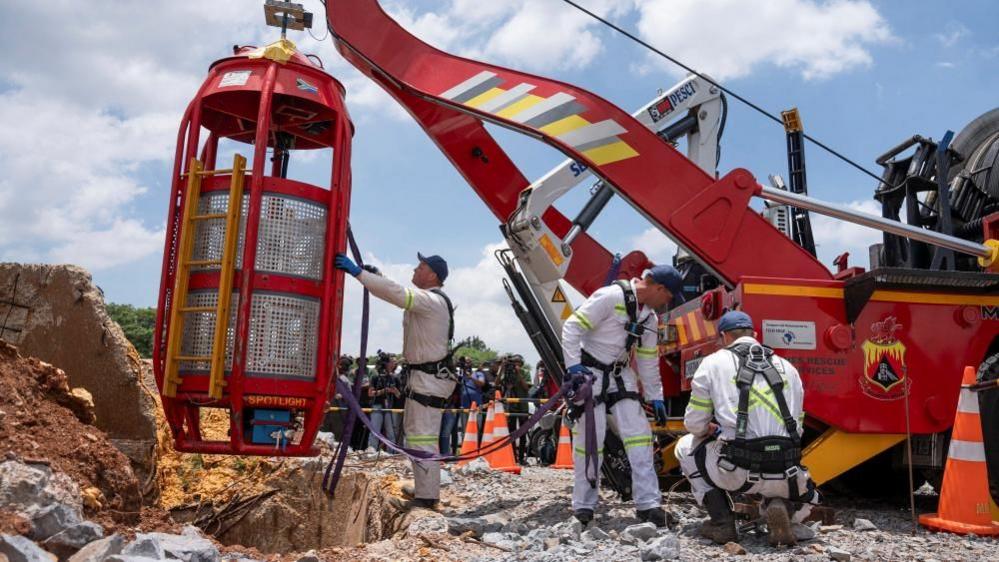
{"x":333,"y":470}
{"x":577,"y":386}
{"x":759,"y":109}
{"x":572,"y":388}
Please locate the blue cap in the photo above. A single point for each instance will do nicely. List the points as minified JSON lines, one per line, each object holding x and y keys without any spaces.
{"x":436,"y":264}
{"x":734,"y":320}
{"x":669,"y":277}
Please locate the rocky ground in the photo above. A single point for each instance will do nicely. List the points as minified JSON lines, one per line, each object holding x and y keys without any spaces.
{"x":528,"y":517}
{"x":484,"y":516}
{"x":67,"y":494}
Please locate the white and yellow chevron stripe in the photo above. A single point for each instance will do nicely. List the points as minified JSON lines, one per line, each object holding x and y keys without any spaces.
{"x":557,"y":116}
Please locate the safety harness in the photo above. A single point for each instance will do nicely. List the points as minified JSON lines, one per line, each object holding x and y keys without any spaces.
{"x":762,"y":456}
{"x":442,"y":368}
{"x":573,"y":388}
{"x":635,"y":330}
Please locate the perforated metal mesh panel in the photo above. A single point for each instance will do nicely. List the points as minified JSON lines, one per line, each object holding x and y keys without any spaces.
{"x":209,"y":235}
{"x":284,"y":333}
{"x":291,"y":238}
{"x":199,"y":330}
{"x":282,"y":342}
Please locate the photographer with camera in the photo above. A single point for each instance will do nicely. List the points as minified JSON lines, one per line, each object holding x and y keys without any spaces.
{"x":333,"y":421}
{"x":480,"y":376}
{"x":383,"y":389}
{"x":513,"y":383}
{"x":471,"y":383}
{"x":453,"y":423}
{"x":359,"y":437}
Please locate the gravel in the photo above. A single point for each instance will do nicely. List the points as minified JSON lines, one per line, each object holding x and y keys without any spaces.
{"x":861,"y":524}
{"x":529,"y":517}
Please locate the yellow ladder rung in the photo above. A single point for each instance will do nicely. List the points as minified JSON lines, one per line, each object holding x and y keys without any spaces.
{"x":193,"y":358}
{"x":208,"y":217}
{"x":203,"y":262}
{"x":206,"y":172}
{"x":216,"y":381}
{"x":197,"y":309}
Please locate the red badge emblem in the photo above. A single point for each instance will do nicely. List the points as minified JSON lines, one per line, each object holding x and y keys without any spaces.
{"x":884,"y":375}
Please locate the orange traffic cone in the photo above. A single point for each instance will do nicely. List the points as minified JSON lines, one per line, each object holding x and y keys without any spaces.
{"x":502,"y":458}
{"x":964,"y":496}
{"x":487,"y":432}
{"x":563,"y":456}
{"x":470,"y":442}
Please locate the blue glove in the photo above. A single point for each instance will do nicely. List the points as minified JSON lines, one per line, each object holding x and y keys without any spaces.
{"x":659,"y":411}
{"x":579,"y":368}
{"x":344,"y":263}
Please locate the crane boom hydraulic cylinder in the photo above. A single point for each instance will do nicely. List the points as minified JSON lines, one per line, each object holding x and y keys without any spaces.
{"x":985,"y":252}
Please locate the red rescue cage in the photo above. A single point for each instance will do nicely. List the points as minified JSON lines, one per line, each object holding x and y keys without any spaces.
{"x":262,"y":347}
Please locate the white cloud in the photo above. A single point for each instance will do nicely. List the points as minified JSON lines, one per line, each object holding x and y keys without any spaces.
{"x":730,"y":38}
{"x":656,"y":246}
{"x":69,"y":184}
{"x":834,"y":236}
{"x":518,"y":33}
{"x":481,"y":308}
{"x":123,"y":241}
{"x":953,"y":32}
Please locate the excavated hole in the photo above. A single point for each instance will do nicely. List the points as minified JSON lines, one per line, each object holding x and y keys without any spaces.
{"x":295,"y":515}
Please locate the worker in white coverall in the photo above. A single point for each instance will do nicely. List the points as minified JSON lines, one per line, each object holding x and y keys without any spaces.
{"x":764,"y":458}
{"x":595,"y":343}
{"x":427,"y":328}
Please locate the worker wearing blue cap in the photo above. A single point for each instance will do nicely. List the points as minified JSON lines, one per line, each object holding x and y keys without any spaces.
{"x":744,"y":420}
{"x":598,"y":341}
{"x":427,"y":331}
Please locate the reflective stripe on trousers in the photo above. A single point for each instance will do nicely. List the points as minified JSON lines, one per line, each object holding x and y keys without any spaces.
{"x":734,"y":479}
{"x":634,"y":430}
{"x":422,"y":425}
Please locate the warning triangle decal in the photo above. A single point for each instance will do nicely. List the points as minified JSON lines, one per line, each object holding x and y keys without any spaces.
{"x":559,"y":296}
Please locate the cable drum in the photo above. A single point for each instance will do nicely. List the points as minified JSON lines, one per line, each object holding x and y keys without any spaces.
{"x":975,"y":182}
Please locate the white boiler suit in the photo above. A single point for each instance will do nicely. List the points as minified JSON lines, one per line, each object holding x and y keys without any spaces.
{"x":425,"y":322}
{"x":715,"y":396}
{"x":598,"y":326}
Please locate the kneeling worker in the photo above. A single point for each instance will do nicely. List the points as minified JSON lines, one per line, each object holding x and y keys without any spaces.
{"x":427,"y":331}
{"x":745,"y":421}
{"x":597,"y":340}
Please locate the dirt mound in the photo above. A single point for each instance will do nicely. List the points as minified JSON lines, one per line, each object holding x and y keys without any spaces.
{"x":56,"y":313}
{"x":44,"y":421}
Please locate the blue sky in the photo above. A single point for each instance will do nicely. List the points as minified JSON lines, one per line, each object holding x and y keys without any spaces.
{"x":90,"y":108}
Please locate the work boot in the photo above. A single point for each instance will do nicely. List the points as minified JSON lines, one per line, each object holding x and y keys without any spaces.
{"x":406,"y":504}
{"x":655,"y":515}
{"x":779,"y":524}
{"x":425,"y":503}
{"x":720,"y":528}
{"x":409,"y":490}
{"x":584,"y":516}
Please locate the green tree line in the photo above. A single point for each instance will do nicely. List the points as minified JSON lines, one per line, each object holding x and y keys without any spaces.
{"x":137,"y":323}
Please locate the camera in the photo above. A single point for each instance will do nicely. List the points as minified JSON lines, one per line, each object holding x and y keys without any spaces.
{"x":345,"y":363}
{"x":383,"y":360}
